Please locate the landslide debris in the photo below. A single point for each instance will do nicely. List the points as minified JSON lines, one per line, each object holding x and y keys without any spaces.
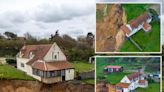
{"x":109,"y":37}
{"x":35,"y":86}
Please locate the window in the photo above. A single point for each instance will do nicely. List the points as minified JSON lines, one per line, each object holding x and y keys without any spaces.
{"x":59,"y":73}
{"x":35,"y":71}
{"x":41,"y":73}
{"x":55,"y":57}
{"x":48,"y":74}
{"x":22,"y":65}
{"x":62,"y":72}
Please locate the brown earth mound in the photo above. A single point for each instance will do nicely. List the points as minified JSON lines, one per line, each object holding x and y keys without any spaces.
{"x":35,"y":86}
{"x":109,"y":37}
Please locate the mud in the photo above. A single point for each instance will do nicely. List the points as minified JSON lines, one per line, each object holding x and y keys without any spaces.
{"x":35,"y":86}
{"x":109,"y":37}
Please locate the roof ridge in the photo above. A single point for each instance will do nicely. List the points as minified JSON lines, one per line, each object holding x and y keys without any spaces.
{"x":37,"y":44}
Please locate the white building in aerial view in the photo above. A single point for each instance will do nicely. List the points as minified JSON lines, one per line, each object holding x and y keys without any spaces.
{"x":45,"y":62}
{"x":131,"y":82}
{"x":141,"y":22}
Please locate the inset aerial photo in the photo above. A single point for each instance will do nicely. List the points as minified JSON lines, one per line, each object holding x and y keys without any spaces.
{"x":128,"y":74}
{"x":132,"y":27}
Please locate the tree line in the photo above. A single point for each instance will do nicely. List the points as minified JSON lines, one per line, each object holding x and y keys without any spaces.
{"x":75,"y":49}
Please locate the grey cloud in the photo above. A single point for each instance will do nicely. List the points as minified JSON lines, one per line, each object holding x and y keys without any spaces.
{"x":10,"y":19}
{"x":49,"y":13}
{"x":76,"y":32}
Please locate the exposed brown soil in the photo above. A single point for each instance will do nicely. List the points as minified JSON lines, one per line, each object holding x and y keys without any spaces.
{"x":35,"y":86}
{"x":109,"y":37}
{"x":105,"y":87}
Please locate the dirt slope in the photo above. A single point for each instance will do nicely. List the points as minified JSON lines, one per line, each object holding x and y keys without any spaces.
{"x":35,"y":86}
{"x":109,"y":37}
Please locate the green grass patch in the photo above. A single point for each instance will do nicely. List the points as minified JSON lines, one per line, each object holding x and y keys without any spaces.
{"x":9,"y":72}
{"x":162,"y":86}
{"x":89,"y":81}
{"x":152,"y":87}
{"x":115,"y":78}
{"x":134,"y":10}
{"x":82,"y":66}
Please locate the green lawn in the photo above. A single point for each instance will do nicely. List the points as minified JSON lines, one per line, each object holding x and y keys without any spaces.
{"x":149,"y":41}
{"x":152,"y":87}
{"x":162,"y":86}
{"x":101,"y":64}
{"x":89,"y":81}
{"x":115,"y":78}
{"x":134,"y":10}
{"x":82,"y":66}
{"x":9,"y":72}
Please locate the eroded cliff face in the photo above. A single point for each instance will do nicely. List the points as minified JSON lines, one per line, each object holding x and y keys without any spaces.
{"x":109,"y":37}
{"x":35,"y":86}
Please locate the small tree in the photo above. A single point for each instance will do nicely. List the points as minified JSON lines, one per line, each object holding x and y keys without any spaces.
{"x":10,"y":35}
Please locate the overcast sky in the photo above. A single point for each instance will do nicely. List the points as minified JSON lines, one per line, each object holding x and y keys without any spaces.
{"x":43,"y":17}
{"x":162,"y":1}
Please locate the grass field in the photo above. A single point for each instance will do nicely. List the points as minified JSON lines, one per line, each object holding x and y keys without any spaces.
{"x":82,"y":66}
{"x":115,"y":78}
{"x":162,"y":85}
{"x":145,"y":39}
{"x":152,"y":87}
{"x":9,"y":72}
{"x":89,"y":81}
{"x":134,"y":10}
{"x":100,"y":64}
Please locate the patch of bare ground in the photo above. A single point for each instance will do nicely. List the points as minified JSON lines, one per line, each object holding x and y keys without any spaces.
{"x":109,"y":37}
{"x":105,"y":87}
{"x":35,"y":86}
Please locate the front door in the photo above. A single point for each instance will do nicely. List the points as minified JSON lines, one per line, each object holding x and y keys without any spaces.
{"x":63,"y":75}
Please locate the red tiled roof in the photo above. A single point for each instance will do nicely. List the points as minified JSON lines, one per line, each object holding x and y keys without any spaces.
{"x":39,"y":51}
{"x":142,"y":18}
{"x":123,"y":85}
{"x":53,"y":65}
{"x":113,"y":66}
{"x":134,"y":75}
{"x":147,"y":26}
{"x":125,"y":29}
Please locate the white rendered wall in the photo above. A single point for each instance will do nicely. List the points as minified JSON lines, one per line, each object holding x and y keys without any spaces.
{"x":69,"y":74}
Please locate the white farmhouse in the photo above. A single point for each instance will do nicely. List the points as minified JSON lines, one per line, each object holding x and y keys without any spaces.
{"x":141,"y":22}
{"x":46,"y":63}
{"x":131,"y":82}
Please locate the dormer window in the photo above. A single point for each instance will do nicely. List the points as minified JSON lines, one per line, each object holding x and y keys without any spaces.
{"x":31,"y":55}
